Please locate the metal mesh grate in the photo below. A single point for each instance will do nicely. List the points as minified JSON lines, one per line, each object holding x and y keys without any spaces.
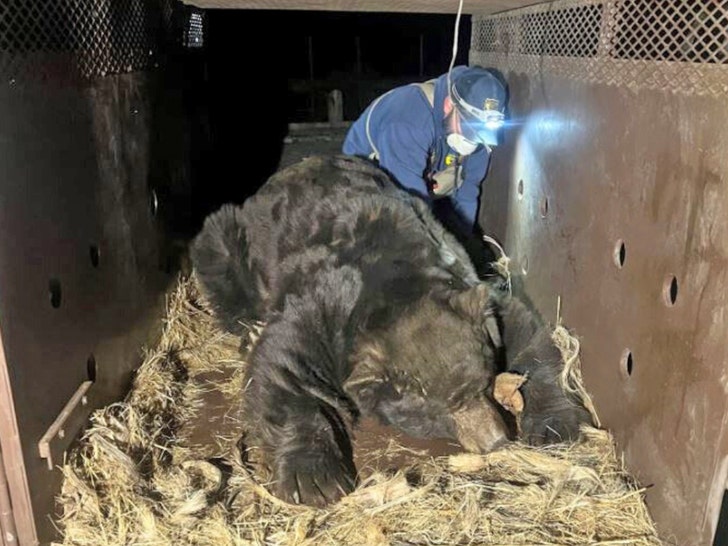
{"x":672,"y":31}
{"x":680,"y":45}
{"x":497,"y":35}
{"x":544,"y":33}
{"x":88,"y":37}
{"x":194,"y":34}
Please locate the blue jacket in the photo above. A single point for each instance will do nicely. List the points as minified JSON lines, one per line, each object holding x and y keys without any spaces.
{"x":406,"y":132}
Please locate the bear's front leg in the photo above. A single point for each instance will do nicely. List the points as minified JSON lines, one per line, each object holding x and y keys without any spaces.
{"x":550,"y":415}
{"x":301,"y":422}
{"x":295,"y":401}
{"x":313,"y":463}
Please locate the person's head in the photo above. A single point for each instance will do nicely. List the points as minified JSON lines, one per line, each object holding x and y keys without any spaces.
{"x":474,"y":109}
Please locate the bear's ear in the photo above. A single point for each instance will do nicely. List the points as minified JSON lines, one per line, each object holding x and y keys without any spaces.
{"x":478,"y":305}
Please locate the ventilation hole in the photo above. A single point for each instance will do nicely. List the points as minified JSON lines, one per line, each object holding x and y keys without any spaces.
{"x":520,"y":189}
{"x":94,"y":254}
{"x":54,"y":288}
{"x":524,"y":265}
{"x":153,"y":202}
{"x":721,"y":531}
{"x":544,"y":206}
{"x":669,"y":291}
{"x":620,"y":254}
{"x":91,"y":368}
{"x":627,"y":363}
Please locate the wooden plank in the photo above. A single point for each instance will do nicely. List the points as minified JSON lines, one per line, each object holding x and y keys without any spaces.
{"x":7,"y":522}
{"x":13,"y":459}
{"x":411,"y":6}
{"x":313,"y":125}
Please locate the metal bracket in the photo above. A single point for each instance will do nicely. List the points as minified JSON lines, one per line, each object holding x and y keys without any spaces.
{"x":64,"y":429}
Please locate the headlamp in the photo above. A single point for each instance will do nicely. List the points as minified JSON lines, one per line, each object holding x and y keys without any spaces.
{"x":494,"y":120}
{"x":490,"y":114}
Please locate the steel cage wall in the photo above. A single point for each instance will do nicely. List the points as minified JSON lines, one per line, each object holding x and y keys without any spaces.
{"x":91,"y":141}
{"x":634,"y":44}
{"x":610,"y":190}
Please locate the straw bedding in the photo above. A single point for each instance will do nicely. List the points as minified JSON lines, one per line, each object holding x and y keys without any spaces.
{"x":167,"y":466}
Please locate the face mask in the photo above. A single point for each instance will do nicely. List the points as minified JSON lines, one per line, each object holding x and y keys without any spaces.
{"x":460,"y":144}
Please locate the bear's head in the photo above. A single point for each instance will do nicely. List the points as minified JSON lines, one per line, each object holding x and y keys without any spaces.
{"x":430,"y":371}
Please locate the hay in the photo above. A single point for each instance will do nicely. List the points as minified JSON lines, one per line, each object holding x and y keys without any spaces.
{"x":571,"y":380}
{"x":140,"y":476}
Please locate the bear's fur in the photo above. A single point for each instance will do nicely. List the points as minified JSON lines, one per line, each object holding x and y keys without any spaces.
{"x":372,"y":309}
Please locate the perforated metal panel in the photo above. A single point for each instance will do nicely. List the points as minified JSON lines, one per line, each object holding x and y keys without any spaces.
{"x":543,"y":33}
{"x":609,"y":191}
{"x":681,"y":45}
{"x":194,"y":33}
{"x":62,"y":38}
{"x":88,"y":135}
{"x":672,"y":31}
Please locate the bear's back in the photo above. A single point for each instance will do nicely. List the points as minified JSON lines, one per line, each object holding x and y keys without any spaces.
{"x":329,"y":212}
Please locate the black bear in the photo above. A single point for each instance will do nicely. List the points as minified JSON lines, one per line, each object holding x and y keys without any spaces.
{"x":371,"y":309}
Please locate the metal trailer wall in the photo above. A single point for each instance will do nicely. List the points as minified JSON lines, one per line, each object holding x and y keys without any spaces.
{"x":90,"y":148}
{"x":610,"y":191}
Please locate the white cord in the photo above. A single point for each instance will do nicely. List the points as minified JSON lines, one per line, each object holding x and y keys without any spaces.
{"x":502,"y":264}
{"x":454,"y":45}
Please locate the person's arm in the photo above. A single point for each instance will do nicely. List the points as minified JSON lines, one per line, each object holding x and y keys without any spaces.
{"x":467,"y":198}
{"x":404,"y":153}
{"x":465,"y":205}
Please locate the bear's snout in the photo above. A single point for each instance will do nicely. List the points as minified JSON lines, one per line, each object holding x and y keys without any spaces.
{"x":480,"y":427}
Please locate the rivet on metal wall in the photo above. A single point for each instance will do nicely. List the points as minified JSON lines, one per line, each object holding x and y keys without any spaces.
{"x":669,"y":290}
{"x":620,"y":254}
{"x":520,"y":189}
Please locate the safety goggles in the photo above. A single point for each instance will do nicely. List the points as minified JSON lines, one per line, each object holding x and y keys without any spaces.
{"x":479,"y":122}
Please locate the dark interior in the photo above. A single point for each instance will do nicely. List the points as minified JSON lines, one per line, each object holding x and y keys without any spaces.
{"x":244,"y":86}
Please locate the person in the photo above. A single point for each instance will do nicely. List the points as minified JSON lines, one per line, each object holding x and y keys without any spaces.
{"x":435,"y":138}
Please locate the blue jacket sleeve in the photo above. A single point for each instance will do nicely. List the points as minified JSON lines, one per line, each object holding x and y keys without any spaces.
{"x":467,"y":198}
{"x":403,"y":152}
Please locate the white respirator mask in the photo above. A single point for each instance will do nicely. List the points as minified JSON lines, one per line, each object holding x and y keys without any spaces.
{"x":460,"y":144}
